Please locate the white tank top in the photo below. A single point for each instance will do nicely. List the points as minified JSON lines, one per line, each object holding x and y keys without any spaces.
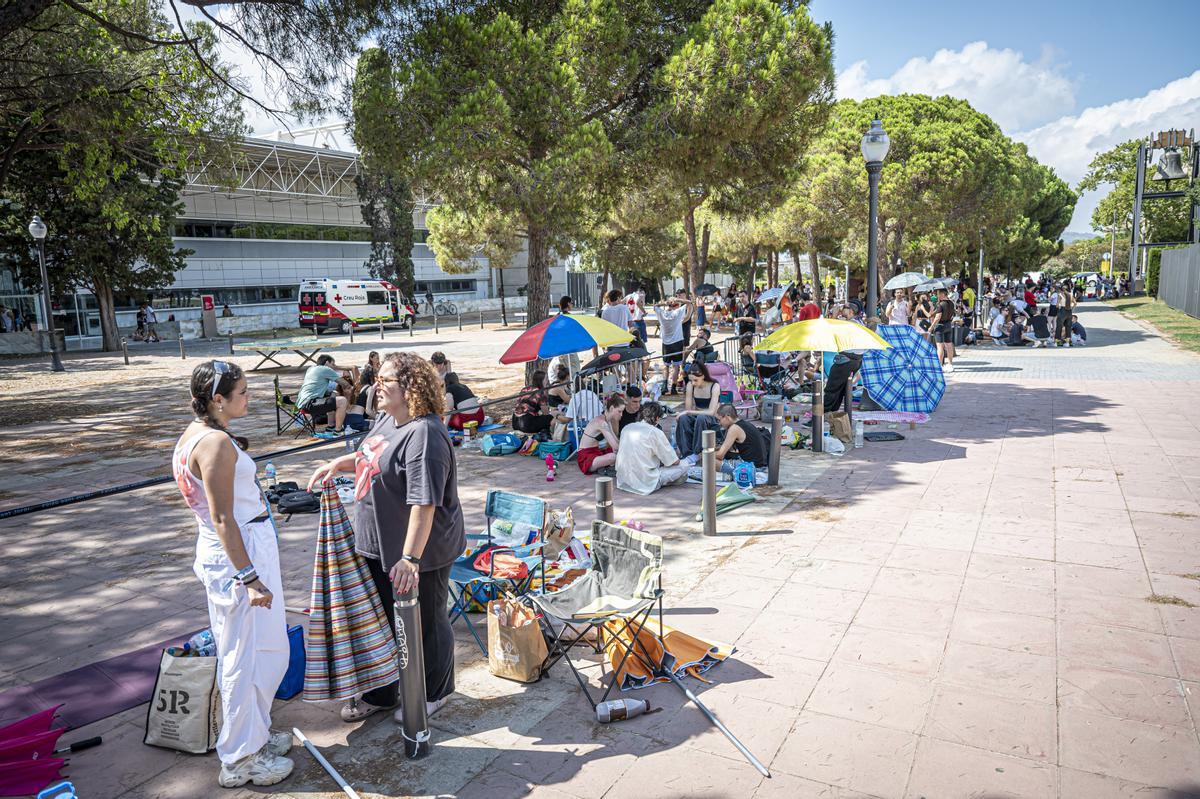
{"x":248,"y":502}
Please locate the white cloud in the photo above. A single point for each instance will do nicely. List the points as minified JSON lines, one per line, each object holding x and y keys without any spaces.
{"x":1000,"y":83}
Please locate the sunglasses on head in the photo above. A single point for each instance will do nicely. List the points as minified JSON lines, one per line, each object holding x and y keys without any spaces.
{"x":220,"y":369}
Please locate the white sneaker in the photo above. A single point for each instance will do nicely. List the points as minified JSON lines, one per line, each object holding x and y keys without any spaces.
{"x":433,"y":707}
{"x":260,"y":768}
{"x":279,"y":742}
{"x":948,"y":367}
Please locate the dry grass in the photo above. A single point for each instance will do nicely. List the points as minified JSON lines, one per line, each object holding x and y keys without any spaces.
{"x":1165,"y":599}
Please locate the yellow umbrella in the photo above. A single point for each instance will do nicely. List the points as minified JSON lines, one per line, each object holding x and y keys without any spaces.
{"x":822,"y":335}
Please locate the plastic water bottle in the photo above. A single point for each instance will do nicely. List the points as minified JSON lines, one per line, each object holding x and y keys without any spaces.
{"x":858,"y":434}
{"x":270,"y":471}
{"x":550,"y":469}
{"x":201,"y":644}
{"x":743,"y":474}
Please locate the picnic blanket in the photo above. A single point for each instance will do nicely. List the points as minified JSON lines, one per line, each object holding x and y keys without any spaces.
{"x":914,"y":417}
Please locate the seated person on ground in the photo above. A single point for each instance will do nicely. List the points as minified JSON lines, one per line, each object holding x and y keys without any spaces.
{"x":746,"y":353}
{"x":742,"y":441}
{"x":318,"y":396}
{"x":1078,"y":332}
{"x":560,"y":392}
{"x":701,"y":347}
{"x":440,"y":364}
{"x":700,"y":401}
{"x":592,"y":457}
{"x":998,"y":328}
{"x":531,"y":412}
{"x":646,"y":461}
{"x":361,"y":398}
{"x":633,"y":407}
{"x":461,"y":404}
{"x":1040,"y":325}
{"x":1016,"y":332}
{"x":585,"y":404}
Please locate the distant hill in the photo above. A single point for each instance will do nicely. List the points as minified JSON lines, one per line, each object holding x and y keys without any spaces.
{"x":1071,"y":235}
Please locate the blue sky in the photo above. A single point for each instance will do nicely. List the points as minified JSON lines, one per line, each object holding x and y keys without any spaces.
{"x":1062,"y":76}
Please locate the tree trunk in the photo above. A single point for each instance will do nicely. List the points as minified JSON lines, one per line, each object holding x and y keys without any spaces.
{"x":693,"y":252}
{"x":538,"y":285}
{"x":753,"y":269}
{"x":503,"y":309}
{"x":603,"y":285}
{"x":893,"y":269}
{"x":704,"y":238}
{"x":811,"y":240}
{"x":110,"y":335}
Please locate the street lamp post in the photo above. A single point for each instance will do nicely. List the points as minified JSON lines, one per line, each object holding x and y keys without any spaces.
{"x":37,"y":229}
{"x":874,"y":148}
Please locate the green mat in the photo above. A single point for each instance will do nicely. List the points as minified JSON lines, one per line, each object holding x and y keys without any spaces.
{"x":728,"y":498}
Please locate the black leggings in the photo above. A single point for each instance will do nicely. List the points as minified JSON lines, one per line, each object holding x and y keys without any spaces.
{"x":527,"y":423}
{"x":437,"y":637}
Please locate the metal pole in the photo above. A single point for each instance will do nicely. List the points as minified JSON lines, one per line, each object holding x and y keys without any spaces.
{"x":481,"y":319}
{"x":818,"y":406}
{"x":351,"y":332}
{"x":231,"y":343}
{"x":873,"y":170}
{"x":330,"y":770}
{"x":460,"y":321}
{"x":381,"y":330}
{"x":125,"y":350}
{"x":414,"y":728}
{"x":412,"y":324}
{"x":979,"y":284}
{"x":1112,"y":248}
{"x":1139,"y":187}
{"x":56,"y":363}
{"x":604,"y":499}
{"x":182,"y":353}
{"x":754,"y":761}
{"x":708,"y":460}
{"x":435,"y":321}
{"x":776,"y":445}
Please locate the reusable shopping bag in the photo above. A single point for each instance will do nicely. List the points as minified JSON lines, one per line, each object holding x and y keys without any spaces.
{"x":516,"y":648}
{"x":184,"y":708}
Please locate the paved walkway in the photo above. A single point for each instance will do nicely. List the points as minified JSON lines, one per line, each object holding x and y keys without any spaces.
{"x":964,"y":613}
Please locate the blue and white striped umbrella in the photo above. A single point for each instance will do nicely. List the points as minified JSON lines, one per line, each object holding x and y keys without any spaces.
{"x":908,"y":375}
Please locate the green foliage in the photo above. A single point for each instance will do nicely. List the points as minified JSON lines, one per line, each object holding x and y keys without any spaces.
{"x":1163,"y":220}
{"x":1154,"y":263}
{"x":641,"y":237}
{"x":387,"y":209}
{"x":458,"y":239}
{"x":278,"y":230}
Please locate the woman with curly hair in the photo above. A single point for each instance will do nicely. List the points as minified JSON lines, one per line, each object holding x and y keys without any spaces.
{"x":408,"y":523}
{"x":237,"y":560}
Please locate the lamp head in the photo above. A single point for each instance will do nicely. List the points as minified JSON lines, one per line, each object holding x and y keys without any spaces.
{"x":875,"y":143}
{"x":37,"y":228}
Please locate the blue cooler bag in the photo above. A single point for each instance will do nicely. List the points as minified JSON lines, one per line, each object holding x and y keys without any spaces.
{"x":293,"y":678}
{"x":500,"y":444}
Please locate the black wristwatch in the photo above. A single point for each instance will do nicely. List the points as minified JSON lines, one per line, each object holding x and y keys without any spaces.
{"x":413,"y":559}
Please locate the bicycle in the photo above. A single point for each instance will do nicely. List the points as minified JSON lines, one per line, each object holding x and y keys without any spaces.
{"x":445,"y":308}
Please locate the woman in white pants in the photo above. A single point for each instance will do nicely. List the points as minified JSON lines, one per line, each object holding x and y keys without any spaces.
{"x":237,"y":560}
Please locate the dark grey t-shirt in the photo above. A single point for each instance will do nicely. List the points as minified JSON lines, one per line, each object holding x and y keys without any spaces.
{"x":396,"y":468}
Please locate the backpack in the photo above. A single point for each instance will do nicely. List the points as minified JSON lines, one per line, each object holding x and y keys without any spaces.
{"x":500,"y":444}
{"x":275,"y":492}
{"x":299,"y":502}
{"x":765,"y":435}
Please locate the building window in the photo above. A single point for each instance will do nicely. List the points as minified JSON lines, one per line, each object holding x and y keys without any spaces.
{"x":446,"y":286}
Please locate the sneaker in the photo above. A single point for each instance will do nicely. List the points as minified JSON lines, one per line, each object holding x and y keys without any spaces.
{"x":949,"y":367}
{"x":279,"y":742}
{"x":356,"y":710}
{"x":606,"y":471}
{"x":433,"y":707}
{"x":260,"y":768}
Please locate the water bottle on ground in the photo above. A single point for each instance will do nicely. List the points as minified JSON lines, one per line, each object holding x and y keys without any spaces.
{"x":271,"y":473}
{"x":858,"y":434}
{"x":550,"y":468}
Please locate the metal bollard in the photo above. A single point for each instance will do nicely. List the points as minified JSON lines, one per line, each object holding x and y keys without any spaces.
{"x":414,"y":728}
{"x":435,"y":323}
{"x":604,"y":499}
{"x":231,"y":343}
{"x":125,"y":349}
{"x":381,"y":330}
{"x":818,"y":412}
{"x":776,"y":446}
{"x":412,"y":325}
{"x":708,"y":460}
{"x":351,"y":332}
{"x":481,"y":320}
{"x":182,"y":354}
{"x":460,"y":321}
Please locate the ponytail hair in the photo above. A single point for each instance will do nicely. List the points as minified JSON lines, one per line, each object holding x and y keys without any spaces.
{"x":208,"y":380}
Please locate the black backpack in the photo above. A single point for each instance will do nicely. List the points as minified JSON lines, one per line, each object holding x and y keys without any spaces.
{"x":299,"y":502}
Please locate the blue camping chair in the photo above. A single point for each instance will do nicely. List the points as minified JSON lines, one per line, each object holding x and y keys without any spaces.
{"x":469,"y":585}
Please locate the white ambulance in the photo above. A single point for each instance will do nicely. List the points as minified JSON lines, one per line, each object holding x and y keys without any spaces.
{"x":339,"y":304}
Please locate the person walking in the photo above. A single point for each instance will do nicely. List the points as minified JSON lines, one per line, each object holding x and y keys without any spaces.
{"x":941,"y":324}
{"x":408,"y":523}
{"x":237,"y":561}
{"x":1066,"y":308}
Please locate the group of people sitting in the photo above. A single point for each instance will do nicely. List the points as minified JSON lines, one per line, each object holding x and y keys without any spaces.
{"x":1016,"y":319}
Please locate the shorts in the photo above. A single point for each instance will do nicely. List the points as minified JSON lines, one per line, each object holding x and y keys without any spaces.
{"x":944,"y":333}
{"x":673,"y":353}
{"x":319,"y":408}
{"x":641,"y":330}
{"x":585,"y":457}
{"x":457,"y":420}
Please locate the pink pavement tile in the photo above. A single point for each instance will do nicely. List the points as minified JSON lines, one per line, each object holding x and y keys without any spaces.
{"x":888,"y":699}
{"x":816,"y":602}
{"x":1123,"y":694}
{"x":1007,"y":726}
{"x":1018,"y":571}
{"x":1112,"y":534}
{"x":1001,"y":524}
{"x":1073,"y":782}
{"x":1040,"y":548}
{"x":1163,"y":528}
{"x":944,"y":769}
{"x":760,"y":726}
{"x":1187,"y":657}
{"x":1185,"y":560}
{"x":1173,"y":584}
{"x":1091,"y":553}
{"x":1015,"y":631}
{"x":730,"y":588}
{"x":681,"y":771}
{"x":837,"y":574}
{"x":1007,"y":597}
{"x":848,"y":754}
{"x":925,"y":586}
{"x":999,"y":672}
{"x":1099,"y":497}
{"x":854,"y":550}
{"x":1077,"y":580}
{"x":1127,"y":749}
{"x":1181,"y":622}
{"x":804,"y":638}
{"x":1116,"y":647}
{"x":919,"y":535}
{"x":777,"y":678}
{"x":905,"y":615}
{"x":1112,"y":611}
{"x":928,"y":559}
{"x":1181,"y":505}
{"x":785,"y":786}
{"x":893,"y":651}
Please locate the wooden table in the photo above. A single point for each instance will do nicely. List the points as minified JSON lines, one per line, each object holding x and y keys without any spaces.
{"x":307,"y":347}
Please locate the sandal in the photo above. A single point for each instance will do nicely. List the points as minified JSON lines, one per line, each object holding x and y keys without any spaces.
{"x":357,"y":710}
